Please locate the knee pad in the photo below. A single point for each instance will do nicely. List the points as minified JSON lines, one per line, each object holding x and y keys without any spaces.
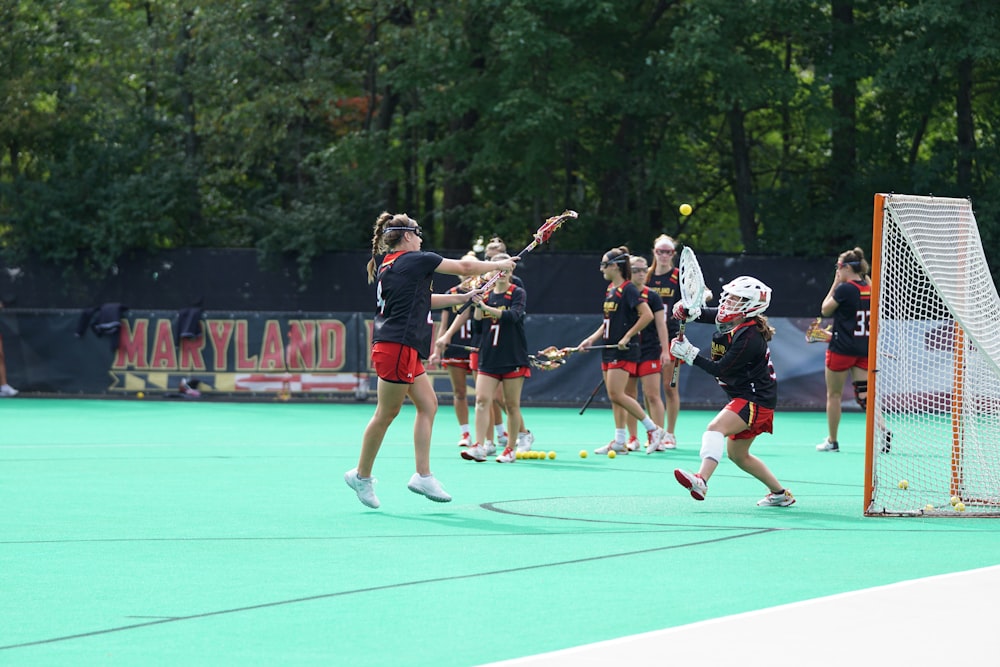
{"x":861,"y":393}
{"x":712,"y":444}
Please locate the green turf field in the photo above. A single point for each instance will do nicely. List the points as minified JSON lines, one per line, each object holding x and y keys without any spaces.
{"x":159,"y":533}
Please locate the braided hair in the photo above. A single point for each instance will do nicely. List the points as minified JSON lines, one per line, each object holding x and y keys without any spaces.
{"x":382,"y":241}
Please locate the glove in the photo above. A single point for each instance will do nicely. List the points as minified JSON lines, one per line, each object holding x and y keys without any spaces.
{"x":816,"y":334}
{"x":682,"y":313}
{"x":683,"y":350}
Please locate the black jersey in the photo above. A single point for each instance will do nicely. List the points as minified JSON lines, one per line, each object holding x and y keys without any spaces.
{"x":851,"y":319}
{"x":463,"y":337}
{"x":503,"y":344}
{"x":666,"y":285}
{"x":649,"y":338}
{"x":741,"y":363}
{"x":620,"y":314}
{"x":404,"y":300}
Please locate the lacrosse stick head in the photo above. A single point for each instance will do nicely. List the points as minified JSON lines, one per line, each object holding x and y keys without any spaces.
{"x":552,"y":353}
{"x":815,"y":333}
{"x":741,"y":299}
{"x":691,"y":280}
{"x":552,"y":224}
{"x":545,"y":364}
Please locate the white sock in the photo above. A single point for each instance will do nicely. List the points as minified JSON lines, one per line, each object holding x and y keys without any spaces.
{"x":499,"y":430}
{"x":621,"y":435}
{"x":463,"y":429}
{"x":648,"y":423}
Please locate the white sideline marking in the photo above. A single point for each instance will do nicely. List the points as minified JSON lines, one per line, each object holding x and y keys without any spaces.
{"x":949,"y":619}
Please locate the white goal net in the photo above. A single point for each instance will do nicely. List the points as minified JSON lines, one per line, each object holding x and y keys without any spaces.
{"x":934,"y":377}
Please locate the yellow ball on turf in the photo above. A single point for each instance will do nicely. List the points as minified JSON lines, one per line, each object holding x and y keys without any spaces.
{"x":518,"y":455}
{"x":583,"y":453}
{"x":903,"y":484}
{"x":928,"y":507}
{"x":959,"y":506}
{"x":611,"y":454}
{"x":552,"y":455}
{"x":955,"y":500}
{"x":140,"y":395}
{"x":685,"y":209}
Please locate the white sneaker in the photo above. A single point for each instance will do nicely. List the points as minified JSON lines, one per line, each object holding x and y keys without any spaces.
{"x":490,"y":448}
{"x":654,"y":439}
{"x":692,"y":482}
{"x":618,"y":447}
{"x":7,"y":391}
{"x":524,"y":441}
{"x":669,"y":442}
{"x":633,"y":444}
{"x":828,"y":446}
{"x":474,"y":453}
{"x":783,"y":499}
{"x":364,"y":487}
{"x":503,"y":439}
{"x":509,"y":456}
{"x":465,"y":440}
{"x":428,"y":487}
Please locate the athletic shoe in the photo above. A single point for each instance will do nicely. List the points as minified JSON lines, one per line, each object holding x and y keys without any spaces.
{"x":633,"y":444}
{"x":509,"y":456}
{"x":7,"y":391}
{"x":655,"y":439}
{"x":524,"y":441}
{"x":669,"y":442}
{"x":783,"y":499}
{"x":828,"y":446}
{"x":491,"y":449}
{"x":619,"y":448}
{"x":429,"y":488}
{"x":364,"y":487}
{"x":503,"y":439}
{"x":474,"y":453}
{"x":693,"y":483}
{"x":465,"y":441}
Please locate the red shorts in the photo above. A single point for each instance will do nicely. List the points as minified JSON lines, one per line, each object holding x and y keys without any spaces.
{"x":474,"y":361}
{"x":842,"y":362}
{"x":644,"y":368}
{"x":395,"y":362}
{"x":628,"y":366}
{"x":464,"y":364}
{"x":761,"y":420}
{"x":519,"y":372}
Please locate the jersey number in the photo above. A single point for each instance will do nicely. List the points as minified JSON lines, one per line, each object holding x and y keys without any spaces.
{"x":861,"y":327}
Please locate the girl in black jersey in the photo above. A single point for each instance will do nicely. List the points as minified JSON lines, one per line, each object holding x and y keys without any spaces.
{"x":625,"y":315}
{"x":453,"y":354}
{"x":741,"y":364}
{"x":661,"y":277}
{"x":653,"y":357}
{"x":849,"y":303}
{"x":503,"y":361}
{"x":402,"y":337}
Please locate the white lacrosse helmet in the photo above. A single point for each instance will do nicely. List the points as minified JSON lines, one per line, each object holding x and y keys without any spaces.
{"x":744,"y":296}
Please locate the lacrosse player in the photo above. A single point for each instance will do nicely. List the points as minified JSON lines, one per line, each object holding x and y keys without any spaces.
{"x":625,"y":315}
{"x":849,"y":303}
{"x":741,"y":363}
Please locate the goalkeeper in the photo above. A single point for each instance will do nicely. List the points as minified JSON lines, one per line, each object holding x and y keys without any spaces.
{"x":741,"y":363}
{"x":849,"y":304}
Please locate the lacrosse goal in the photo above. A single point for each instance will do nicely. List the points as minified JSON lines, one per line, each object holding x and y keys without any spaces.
{"x":933,"y":429}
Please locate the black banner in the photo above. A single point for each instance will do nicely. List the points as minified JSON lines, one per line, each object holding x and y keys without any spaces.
{"x":325,"y":356}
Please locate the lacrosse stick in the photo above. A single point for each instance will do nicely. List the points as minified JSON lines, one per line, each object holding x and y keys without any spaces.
{"x":692,"y":284}
{"x":817,"y":334}
{"x":541,"y":236}
{"x":560,"y":353}
{"x":592,"y":395}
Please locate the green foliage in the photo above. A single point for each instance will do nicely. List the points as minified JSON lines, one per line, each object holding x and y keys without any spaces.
{"x":288,"y":126}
